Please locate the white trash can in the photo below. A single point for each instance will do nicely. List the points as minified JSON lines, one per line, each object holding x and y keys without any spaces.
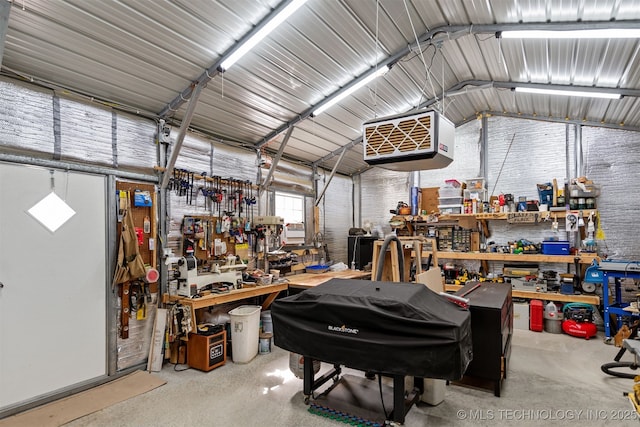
{"x":245,"y":325}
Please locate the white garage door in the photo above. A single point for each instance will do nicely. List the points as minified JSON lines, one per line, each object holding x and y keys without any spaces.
{"x":52,"y":299}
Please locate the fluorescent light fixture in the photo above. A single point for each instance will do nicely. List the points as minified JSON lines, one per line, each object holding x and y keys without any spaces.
{"x":261,"y":34}
{"x":606,"y":33}
{"x":341,"y":95}
{"x":569,"y":92}
{"x":51,"y":212}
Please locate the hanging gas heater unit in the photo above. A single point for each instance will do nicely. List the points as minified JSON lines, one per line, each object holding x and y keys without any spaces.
{"x":409,"y":142}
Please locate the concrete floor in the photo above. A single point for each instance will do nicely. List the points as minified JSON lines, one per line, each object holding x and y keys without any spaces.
{"x":552,"y":379}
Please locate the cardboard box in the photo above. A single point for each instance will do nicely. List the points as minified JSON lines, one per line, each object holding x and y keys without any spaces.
{"x":429,"y":201}
{"x":432,"y":279}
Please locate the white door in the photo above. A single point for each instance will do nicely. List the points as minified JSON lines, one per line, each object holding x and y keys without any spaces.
{"x":53,"y":296}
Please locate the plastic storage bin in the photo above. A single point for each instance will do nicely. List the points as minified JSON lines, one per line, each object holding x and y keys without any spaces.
{"x":445,"y":192}
{"x":475,"y":194}
{"x":590,"y":190}
{"x":450,"y":209}
{"x":450,"y":201}
{"x":475,"y":184}
{"x":245,"y":326}
{"x":555,"y":248}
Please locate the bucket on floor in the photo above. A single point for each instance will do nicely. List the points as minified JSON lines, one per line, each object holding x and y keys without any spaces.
{"x":264,"y":346}
{"x":552,"y":319}
{"x":296,"y":365}
{"x":434,"y":390}
{"x":265,"y":321}
{"x":245,"y":324}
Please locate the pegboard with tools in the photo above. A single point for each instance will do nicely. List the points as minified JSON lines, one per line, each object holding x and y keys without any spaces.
{"x":225,"y":196}
{"x":139,"y":201}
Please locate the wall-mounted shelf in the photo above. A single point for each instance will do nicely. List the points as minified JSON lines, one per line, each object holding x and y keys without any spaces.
{"x":491,"y":216}
{"x":584,"y":258}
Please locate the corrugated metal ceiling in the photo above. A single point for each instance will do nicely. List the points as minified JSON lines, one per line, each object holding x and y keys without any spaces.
{"x":143,"y":55}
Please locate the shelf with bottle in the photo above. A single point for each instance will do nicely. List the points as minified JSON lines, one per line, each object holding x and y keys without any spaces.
{"x":540,"y":215}
{"x":582,"y":258}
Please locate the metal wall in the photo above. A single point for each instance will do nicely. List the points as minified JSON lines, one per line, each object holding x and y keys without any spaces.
{"x":381,"y":190}
{"x":336,"y":216}
{"x":611,"y":160}
{"x":466,"y":158}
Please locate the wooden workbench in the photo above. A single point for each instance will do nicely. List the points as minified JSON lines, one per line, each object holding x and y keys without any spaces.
{"x":210,"y":300}
{"x":309,"y":280}
{"x":548,"y":296}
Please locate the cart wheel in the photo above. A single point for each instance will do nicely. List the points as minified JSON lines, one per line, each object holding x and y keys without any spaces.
{"x":306,"y":400}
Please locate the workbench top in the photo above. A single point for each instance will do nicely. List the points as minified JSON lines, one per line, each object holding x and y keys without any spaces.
{"x":309,"y":280}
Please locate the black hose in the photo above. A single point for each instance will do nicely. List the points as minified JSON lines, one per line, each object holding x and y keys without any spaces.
{"x":381,"y":256}
{"x":607,"y":368}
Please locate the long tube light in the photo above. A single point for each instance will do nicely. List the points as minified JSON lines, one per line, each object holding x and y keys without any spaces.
{"x":341,"y":95}
{"x":252,"y":41}
{"x":568,"y":92}
{"x":606,"y":33}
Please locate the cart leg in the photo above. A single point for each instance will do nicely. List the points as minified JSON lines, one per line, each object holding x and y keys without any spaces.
{"x":398,"y":399}
{"x":309,"y":376}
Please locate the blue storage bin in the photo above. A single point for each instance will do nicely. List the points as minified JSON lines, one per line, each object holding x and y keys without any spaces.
{"x":555,"y":248}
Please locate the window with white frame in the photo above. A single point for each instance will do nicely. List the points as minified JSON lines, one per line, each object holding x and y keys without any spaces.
{"x":290,"y":207}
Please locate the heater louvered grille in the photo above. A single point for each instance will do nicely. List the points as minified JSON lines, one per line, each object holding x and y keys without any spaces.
{"x":419,"y":141}
{"x":399,"y":136}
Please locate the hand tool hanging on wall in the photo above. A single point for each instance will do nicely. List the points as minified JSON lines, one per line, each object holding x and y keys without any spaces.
{"x":181,"y":182}
{"x":191,"y":177}
{"x":212,"y":197}
{"x":234,"y":190}
{"x":247,"y":201}
{"x":239,"y":193}
{"x":229,"y":197}
{"x":204,"y":190}
{"x":218,"y":199}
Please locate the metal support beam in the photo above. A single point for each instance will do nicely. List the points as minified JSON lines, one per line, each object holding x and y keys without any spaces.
{"x":5,"y":8}
{"x":558,"y":120}
{"x":567,"y":154}
{"x":579,"y":152}
{"x":186,"y":121}
{"x":333,"y":172}
{"x":111,"y":294}
{"x":337,"y":152}
{"x":484,"y":148}
{"x":76,"y":167}
{"x":274,"y":164}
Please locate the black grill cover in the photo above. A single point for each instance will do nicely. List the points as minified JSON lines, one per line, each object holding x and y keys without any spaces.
{"x":387,"y":327}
